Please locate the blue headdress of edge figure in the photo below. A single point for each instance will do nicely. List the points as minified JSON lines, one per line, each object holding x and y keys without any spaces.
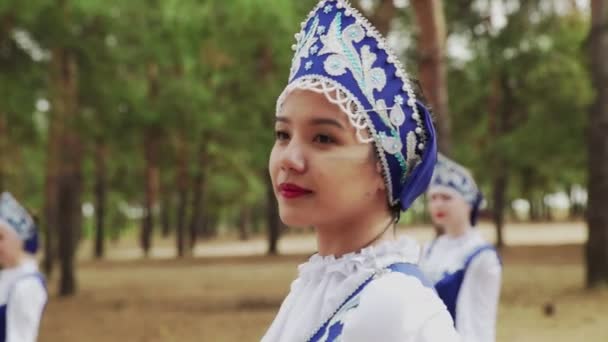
{"x":13,"y":215}
{"x":451,"y":176}
{"x":339,"y":53}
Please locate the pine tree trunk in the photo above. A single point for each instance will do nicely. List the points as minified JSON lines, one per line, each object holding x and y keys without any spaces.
{"x":101,"y":155}
{"x":166,"y":197}
{"x":244,"y":223}
{"x":383,"y":16}
{"x":50,"y":195}
{"x":208,"y":226}
{"x":548,"y":213}
{"x":433,"y":70}
{"x":182,"y":197}
{"x":151,"y":146}
{"x":151,"y":153}
{"x":3,"y":150}
{"x":527,"y":184}
{"x":577,"y":209}
{"x":501,"y":107}
{"x":272,"y":217}
{"x":535,"y":210}
{"x":198,"y":206}
{"x":499,"y":188}
{"x":55,"y":131}
{"x":574,"y":210}
{"x":68,"y":224}
{"x":596,"y":256}
{"x":7,"y":23}
{"x":64,"y":76}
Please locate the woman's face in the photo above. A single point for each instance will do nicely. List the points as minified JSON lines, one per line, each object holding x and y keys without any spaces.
{"x":10,"y":245}
{"x":448,"y":209}
{"x":321,"y":173}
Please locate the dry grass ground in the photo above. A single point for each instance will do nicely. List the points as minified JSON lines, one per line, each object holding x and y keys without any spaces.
{"x":235,"y":299}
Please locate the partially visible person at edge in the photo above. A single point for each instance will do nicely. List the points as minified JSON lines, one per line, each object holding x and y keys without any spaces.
{"x":23,"y":294}
{"x":463,"y":266}
{"x":354,"y":147}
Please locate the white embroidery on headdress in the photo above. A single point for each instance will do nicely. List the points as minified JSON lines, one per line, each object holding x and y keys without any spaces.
{"x":303,"y":47}
{"x":449,"y":173}
{"x":344,"y":56}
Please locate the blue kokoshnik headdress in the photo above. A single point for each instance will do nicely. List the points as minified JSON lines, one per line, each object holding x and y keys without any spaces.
{"x":340,"y":54}
{"x":15,"y":217}
{"x":451,"y":176}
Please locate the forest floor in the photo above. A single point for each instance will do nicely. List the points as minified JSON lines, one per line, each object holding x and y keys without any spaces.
{"x":231,"y":292}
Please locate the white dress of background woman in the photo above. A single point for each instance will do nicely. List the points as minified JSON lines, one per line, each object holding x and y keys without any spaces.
{"x":464,"y":267}
{"x":23,"y":292}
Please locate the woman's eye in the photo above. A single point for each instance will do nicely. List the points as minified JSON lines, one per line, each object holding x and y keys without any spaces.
{"x":324,"y":139}
{"x":281,"y":135}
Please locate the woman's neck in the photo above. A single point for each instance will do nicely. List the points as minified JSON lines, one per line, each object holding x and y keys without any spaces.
{"x":348,"y":237}
{"x":15,"y":261}
{"x":458,"y":229}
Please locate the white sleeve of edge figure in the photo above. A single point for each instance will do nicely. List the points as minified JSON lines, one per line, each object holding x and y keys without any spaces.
{"x":25,"y":307}
{"x":477,"y":303}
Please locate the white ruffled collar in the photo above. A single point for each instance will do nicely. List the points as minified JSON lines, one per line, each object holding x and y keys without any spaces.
{"x":469,"y":235}
{"x":373,"y":258}
{"x":325,"y":282}
{"x":448,"y":254}
{"x":27,"y":265}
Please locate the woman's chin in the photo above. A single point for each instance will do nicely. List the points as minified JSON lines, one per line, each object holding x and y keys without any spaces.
{"x":294,"y":222}
{"x":294,"y":219}
{"x":438,"y":221}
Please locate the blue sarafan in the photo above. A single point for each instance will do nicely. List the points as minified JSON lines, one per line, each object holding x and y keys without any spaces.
{"x":339,"y":53}
{"x":15,"y":217}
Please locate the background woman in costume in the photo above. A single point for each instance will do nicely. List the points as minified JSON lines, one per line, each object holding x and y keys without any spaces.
{"x":23,"y":292}
{"x":463,"y":266}
{"x":354,"y":147}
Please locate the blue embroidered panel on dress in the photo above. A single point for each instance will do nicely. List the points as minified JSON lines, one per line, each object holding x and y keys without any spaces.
{"x":449,"y":286}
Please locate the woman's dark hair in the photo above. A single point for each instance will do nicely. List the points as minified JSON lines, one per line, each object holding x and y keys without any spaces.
{"x":420,"y":96}
{"x":396,"y":212}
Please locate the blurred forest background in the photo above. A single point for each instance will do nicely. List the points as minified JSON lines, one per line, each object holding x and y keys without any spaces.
{"x":138,"y":132}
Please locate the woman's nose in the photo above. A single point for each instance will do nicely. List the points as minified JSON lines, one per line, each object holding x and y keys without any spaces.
{"x":292,"y":157}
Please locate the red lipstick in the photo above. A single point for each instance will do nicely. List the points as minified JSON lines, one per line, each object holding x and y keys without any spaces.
{"x":289,"y":190}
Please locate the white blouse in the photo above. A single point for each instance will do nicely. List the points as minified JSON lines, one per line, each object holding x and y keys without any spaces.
{"x":477,"y":301}
{"x":393,"y":307}
{"x":26,"y":297}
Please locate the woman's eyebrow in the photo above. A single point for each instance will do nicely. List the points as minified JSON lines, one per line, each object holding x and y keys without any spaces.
{"x":325,"y":121}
